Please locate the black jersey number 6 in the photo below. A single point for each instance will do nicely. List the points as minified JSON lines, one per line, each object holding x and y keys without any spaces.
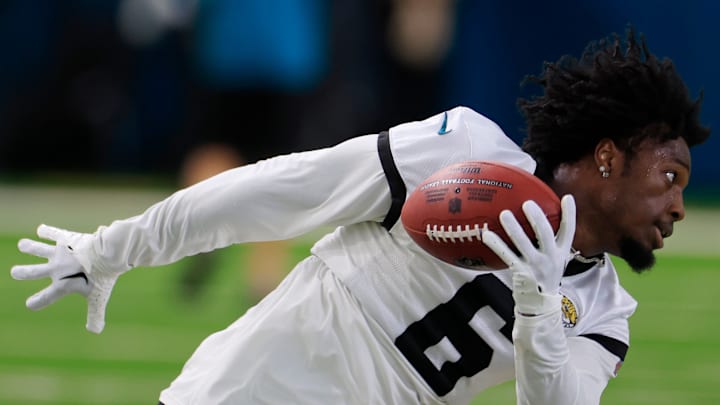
{"x":450,"y":322}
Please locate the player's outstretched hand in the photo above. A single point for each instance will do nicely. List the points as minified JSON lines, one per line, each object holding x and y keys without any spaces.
{"x":537,"y":272}
{"x":70,"y":271}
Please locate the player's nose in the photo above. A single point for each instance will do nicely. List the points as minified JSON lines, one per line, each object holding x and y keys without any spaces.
{"x":677,"y":208}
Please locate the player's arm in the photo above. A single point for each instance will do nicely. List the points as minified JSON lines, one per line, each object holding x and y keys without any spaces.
{"x":274,"y":199}
{"x":550,"y":368}
{"x":553,"y":369}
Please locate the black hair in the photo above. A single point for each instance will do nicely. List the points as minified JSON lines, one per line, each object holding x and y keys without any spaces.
{"x":616,"y":91}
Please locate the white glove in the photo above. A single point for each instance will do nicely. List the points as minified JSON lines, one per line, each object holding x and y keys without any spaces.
{"x":70,"y":268}
{"x":538,"y":271}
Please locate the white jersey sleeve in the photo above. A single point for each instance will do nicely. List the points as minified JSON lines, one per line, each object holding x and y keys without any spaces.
{"x":553,"y":369}
{"x":275,"y":199}
{"x":290,"y":195}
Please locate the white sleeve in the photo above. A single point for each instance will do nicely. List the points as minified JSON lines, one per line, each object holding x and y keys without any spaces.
{"x":275,"y":199}
{"x":555,"y":370}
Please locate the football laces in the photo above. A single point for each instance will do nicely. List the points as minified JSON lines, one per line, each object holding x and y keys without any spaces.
{"x":458,"y":234}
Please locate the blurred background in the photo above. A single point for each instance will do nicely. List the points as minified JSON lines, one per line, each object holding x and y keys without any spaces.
{"x":135,"y":86}
{"x":107,"y":106}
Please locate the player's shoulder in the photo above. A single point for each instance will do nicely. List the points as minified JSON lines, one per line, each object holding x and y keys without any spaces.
{"x":467,"y":134}
{"x":468,"y":116}
{"x":600,"y":278}
{"x":598,"y":296}
{"x":420,"y":148}
{"x":456,"y":121}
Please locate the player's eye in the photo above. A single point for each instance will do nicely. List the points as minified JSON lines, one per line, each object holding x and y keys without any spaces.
{"x":671,"y":176}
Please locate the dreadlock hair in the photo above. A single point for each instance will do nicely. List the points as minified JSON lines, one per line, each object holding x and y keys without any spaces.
{"x":623,"y":93}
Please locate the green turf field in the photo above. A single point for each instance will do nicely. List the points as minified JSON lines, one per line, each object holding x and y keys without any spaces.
{"x":47,"y":357}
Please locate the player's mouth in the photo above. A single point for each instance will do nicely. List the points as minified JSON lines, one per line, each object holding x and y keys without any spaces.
{"x":662,"y":232}
{"x":659,"y":243}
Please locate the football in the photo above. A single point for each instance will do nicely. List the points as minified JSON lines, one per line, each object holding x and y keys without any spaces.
{"x":446,"y":213}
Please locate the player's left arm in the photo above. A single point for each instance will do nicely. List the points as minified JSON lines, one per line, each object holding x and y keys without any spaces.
{"x":553,"y":369}
{"x":274,"y":199}
{"x":550,"y":368}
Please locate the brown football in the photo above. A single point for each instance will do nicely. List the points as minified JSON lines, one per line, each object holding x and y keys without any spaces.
{"x":446,"y":214}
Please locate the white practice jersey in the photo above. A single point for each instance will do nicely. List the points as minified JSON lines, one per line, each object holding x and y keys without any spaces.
{"x":451,"y":327}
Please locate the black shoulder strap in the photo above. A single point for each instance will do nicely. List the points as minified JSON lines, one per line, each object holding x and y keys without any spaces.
{"x":397,"y":186}
{"x":612,"y":345}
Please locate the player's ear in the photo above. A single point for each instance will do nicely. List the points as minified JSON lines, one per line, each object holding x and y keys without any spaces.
{"x":607,"y":157}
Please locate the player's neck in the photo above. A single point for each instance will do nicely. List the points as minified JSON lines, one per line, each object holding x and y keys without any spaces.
{"x":578,"y":179}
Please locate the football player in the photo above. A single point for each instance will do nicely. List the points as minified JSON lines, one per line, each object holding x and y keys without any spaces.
{"x":369,"y":317}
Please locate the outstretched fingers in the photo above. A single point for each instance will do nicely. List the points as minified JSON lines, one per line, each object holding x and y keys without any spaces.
{"x":499,"y":247}
{"x":33,"y":247}
{"x":566,"y":232}
{"x":45,"y":297}
{"x":58,"y":289}
{"x":539,"y":223}
{"x":31,"y":271}
{"x":516,"y":234}
{"x":50,"y":232}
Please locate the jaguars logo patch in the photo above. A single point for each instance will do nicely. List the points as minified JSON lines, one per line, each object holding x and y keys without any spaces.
{"x":569,"y":313}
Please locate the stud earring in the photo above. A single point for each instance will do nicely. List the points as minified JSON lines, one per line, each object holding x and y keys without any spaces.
{"x":605,"y":172}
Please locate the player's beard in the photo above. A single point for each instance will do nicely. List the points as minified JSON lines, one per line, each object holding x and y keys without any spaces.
{"x":638,"y":257}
